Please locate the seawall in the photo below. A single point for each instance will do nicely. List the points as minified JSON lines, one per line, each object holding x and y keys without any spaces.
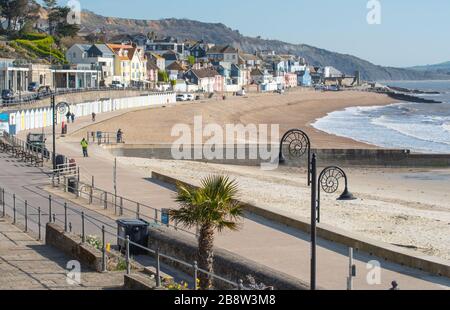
{"x":326,"y":157}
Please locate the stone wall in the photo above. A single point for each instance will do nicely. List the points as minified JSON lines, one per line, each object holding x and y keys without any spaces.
{"x":71,"y":245}
{"x":326,"y":157}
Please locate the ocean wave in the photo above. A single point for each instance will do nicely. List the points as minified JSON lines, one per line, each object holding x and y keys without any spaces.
{"x":423,"y":130}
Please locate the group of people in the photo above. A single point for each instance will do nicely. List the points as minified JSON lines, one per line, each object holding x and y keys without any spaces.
{"x":84,"y":143}
{"x":70,"y":117}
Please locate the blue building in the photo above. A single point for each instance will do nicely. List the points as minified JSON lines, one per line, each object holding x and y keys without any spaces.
{"x":304,"y":78}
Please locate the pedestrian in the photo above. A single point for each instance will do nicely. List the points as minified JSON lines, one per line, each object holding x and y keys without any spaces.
{"x":394,"y":286}
{"x":72,"y":117}
{"x":93,"y":116}
{"x":68,"y":116}
{"x":84,"y":146}
{"x":119,"y":136}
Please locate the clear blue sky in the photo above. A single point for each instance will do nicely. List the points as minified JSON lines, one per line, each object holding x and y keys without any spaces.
{"x":412,"y":32}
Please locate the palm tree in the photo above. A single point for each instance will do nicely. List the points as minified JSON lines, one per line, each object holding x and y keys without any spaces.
{"x":212,"y":207}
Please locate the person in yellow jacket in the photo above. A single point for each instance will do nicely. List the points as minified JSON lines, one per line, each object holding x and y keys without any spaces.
{"x":84,"y":146}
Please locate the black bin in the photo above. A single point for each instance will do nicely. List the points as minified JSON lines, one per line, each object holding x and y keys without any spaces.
{"x":72,"y":185}
{"x":60,"y":160}
{"x":137,"y":230}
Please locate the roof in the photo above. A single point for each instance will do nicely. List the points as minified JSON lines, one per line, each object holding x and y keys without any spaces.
{"x":104,"y":49}
{"x":220,"y":49}
{"x":249,"y":57}
{"x":154,"y":55}
{"x":84,"y":47}
{"x":152,"y":66}
{"x":256,"y":72}
{"x":117,"y":47}
{"x":176,"y":66}
{"x":170,"y":55}
{"x":205,"y":72}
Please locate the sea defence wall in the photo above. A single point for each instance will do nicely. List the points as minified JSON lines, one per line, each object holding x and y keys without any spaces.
{"x":382,"y":250}
{"x":36,"y":118}
{"x":326,"y":157}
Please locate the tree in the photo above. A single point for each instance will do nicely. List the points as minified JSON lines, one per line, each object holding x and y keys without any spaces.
{"x":212,"y":207}
{"x":191,"y":60}
{"x":163,"y":76}
{"x":18,"y":12}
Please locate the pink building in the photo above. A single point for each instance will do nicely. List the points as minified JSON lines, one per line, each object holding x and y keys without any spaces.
{"x":290,"y":80}
{"x":207,"y":79}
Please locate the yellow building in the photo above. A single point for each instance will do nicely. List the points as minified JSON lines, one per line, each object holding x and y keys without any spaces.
{"x":130,"y":65}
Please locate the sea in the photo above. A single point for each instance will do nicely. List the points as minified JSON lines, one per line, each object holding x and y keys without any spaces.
{"x":419,"y":127}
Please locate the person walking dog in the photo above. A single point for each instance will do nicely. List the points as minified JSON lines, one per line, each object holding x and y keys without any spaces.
{"x":84,"y":146}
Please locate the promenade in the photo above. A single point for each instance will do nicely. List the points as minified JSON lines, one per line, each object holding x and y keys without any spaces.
{"x":27,"y":264}
{"x":265,"y":242}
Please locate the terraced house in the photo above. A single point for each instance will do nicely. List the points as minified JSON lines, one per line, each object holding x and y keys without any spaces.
{"x":130,"y":65}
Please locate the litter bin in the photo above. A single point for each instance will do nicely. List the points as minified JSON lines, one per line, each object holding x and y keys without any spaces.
{"x":137,"y":230}
{"x":60,"y":161}
{"x":72,"y":185}
{"x":99,"y":137}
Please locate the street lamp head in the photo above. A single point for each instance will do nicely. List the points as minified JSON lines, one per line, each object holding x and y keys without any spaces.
{"x":346,"y":196}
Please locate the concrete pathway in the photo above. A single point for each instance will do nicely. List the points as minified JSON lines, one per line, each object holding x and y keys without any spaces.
{"x":28,"y":264}
{"x":266,"y":242}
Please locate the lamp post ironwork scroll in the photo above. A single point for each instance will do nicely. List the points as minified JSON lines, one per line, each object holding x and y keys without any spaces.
{"x":297,"y":143}
{"x":328,"y":181}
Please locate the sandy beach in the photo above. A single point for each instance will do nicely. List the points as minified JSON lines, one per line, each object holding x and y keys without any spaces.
{"x":295,"y":109}
{"x":404,"y":207}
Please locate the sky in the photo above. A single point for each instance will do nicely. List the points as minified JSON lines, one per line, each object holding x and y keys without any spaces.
{"x":411,"y":32}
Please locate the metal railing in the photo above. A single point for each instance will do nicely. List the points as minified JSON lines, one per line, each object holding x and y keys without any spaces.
{"x":35,"y":97}
{"x":25,"y":213}
{"x":102,"y":137}
{"x":69,"y":172}
{"x":122,"y":206}
{"x":23,"y":150}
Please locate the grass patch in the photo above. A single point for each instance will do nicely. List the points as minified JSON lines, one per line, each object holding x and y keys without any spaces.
{"x":41,"y":45}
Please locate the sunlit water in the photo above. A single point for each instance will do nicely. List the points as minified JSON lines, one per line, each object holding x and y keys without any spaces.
{"x":419,"y":127}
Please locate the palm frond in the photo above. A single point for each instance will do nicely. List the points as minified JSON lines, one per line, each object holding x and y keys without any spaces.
{"x":214,"y":203}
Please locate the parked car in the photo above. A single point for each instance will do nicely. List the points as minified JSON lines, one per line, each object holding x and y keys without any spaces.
{"x":33,"y":86}
{"x":7,"y":94}
{"x":240,"y":92}
{"x":190,"y":97}
{"x":182,"y":97}
{"x":116,"y":84}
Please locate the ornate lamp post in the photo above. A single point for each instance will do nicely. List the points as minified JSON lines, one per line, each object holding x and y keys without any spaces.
{"x":63,"y":108}
{"x":297,"y":143}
